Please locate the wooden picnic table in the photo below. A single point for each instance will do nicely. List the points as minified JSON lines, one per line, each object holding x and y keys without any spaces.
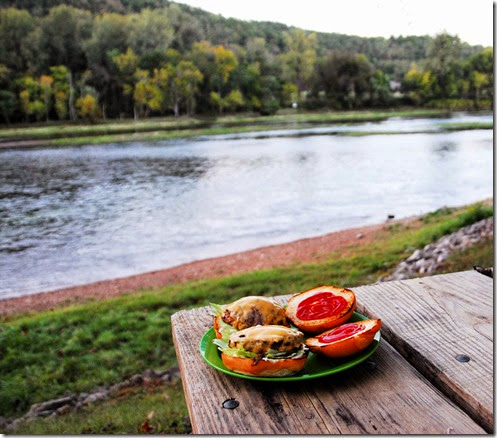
{"x":414,"y":383}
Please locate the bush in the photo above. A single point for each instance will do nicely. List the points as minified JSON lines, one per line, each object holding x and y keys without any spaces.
{"x":88,"y":108}
{"x":452,"y":104}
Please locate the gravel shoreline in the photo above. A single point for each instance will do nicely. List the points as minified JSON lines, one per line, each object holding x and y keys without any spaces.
{"x":308,"y":250}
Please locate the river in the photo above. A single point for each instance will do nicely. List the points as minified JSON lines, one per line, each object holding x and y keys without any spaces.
{"x":74,"y":215}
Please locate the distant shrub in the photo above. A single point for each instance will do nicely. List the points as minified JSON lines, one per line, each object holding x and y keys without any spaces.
{"x":88,"y":108}
{"x":452,"y":104}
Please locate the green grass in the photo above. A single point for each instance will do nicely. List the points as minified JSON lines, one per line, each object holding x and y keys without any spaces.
{"x":117,"y":131}
{"x":462,"y":126}
{"x":74,"y":349}
{"x":126,"y":414}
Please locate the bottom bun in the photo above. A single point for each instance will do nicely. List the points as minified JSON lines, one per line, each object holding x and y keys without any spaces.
{"x":264,"y":367}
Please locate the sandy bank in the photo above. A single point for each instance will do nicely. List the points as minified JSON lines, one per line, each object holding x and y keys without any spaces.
{"x":308,"y":250}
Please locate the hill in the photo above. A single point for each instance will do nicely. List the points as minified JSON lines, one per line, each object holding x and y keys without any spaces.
{"x":392,"y":55}
{"x":136,"y":58}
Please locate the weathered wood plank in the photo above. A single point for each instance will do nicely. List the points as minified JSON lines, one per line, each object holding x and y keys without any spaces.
{"x":430,"y":321}
{"x":206,"y":389}
{"x":392,"y":398}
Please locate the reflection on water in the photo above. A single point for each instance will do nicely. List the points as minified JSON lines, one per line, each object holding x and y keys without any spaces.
{"x":75,"y":215}
{"x":444,"y":148}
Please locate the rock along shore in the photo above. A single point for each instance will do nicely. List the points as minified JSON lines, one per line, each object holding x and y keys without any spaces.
{"x":428,"y":260}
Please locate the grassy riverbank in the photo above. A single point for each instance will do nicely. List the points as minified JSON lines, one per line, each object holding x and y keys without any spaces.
{"x":184,"y":127}
{"x":74,"y":349}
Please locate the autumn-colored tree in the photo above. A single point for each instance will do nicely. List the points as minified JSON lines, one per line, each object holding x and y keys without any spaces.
{"x":88,"y":108}
{"x":225,"y":63}
{"x":420,"y":86}
{"x":31,"y":98}
{"x":46,"y":86}
{"x":147,"y":94}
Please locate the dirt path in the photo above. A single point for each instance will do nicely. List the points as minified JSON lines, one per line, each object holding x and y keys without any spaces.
{"x":301,"y":251}
{"x":16,"y":144}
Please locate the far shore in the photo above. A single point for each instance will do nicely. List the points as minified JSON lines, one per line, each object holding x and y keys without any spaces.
{"x":314,"y":249}
{"x":159,"y":129}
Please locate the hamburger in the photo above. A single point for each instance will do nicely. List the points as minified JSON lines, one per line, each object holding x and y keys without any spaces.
{"x":266,"y":351}
{"x":247,"y":312}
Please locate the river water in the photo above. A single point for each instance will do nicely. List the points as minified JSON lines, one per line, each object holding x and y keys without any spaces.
{"x":75,"y":215}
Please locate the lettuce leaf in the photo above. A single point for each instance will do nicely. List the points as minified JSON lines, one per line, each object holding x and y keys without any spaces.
{"x":223,"y":346}
{"x":237,"y":352}
{"x":217,"y":309}
{"x":226,"y":330}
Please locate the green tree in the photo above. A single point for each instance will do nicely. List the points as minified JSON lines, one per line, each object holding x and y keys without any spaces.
{"x":187,"y":28}
{"x":480,"y":75}
{"x":109,"y":37}
{"x":443,"y":55}
{"x":217,"y":101}
{"x":8,"y":104}
{"x":234,"y":100}
{"x":479,"y":80}
{"x":289,"y":93}
{"x":62,"y":89}
{"x":15,"y":26}
{"x":60,"y":40}
{"x":202,"y":55}
{"x":300,"y":58}
{"x":188,"y":78}
{"x":8,"y":101}
{"x":150,"y":31}
{"x":344,"y":78}
{"x":258,"y":52}
{"x":380,"y":88}
{"x":127,"y":65}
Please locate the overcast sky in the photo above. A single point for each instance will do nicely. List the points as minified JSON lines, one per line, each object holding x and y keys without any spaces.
{"x":472,"y":20}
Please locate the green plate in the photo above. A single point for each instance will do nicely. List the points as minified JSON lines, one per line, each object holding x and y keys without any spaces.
{"x":316,"y":366}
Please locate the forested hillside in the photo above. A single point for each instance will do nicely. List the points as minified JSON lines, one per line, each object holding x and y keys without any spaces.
{"x":122,"y":58}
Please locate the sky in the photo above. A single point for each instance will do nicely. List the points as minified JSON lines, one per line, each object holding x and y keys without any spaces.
{"x":471,"y":20}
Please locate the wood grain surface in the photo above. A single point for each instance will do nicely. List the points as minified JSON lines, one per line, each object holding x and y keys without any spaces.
{"x":387,"y":397}
{"x":430,"y":321}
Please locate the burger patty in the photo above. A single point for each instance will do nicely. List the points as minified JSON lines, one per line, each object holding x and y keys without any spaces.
{"x":262,"y":339}
{"x":251,"y":311}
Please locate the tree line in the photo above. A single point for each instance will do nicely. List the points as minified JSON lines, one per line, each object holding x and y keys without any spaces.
{"x":71,"y":63}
